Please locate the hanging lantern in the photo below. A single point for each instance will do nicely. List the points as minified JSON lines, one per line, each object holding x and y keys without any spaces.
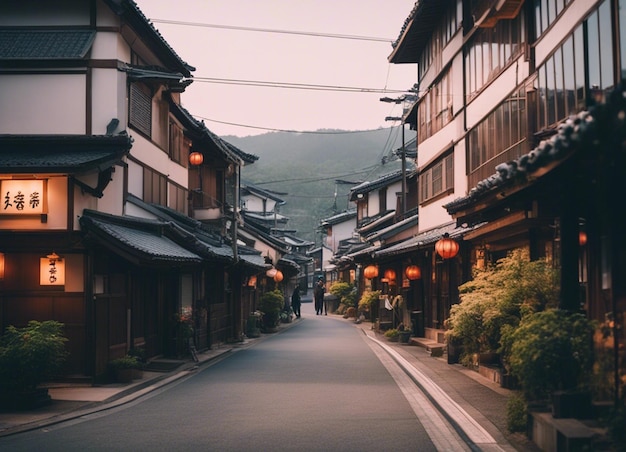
{"x":390,"y":274}
{"x":196,"y":158}
{"x":413,"y":272}
{"x":278,"y":277}
{"x":370,"y":272}
{"x":271,"y":272}
{"x":582,"y":238}
{"x":447,"y":248}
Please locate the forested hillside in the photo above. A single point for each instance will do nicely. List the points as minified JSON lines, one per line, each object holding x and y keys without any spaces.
{"x":304,"y":167}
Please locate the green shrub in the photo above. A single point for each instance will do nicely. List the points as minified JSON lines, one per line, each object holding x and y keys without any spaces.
{"x":345,"y":292}
{"x":30,"y":355}
{"x":552,"y":351}
{"x":391,"y":333}
{"x":125,"y":362}
{"x":516,"y":413}
{"x":496,"y":299}
{"x":271,"y":304}
{"x":368,"y":299}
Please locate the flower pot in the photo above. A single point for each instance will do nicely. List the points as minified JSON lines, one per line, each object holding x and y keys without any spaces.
{"x":405,"y":336}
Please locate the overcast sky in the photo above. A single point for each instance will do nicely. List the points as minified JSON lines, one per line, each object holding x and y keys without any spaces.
{"x":224,"y":48}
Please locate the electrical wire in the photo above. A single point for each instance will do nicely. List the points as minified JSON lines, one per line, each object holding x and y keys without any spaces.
{"x":270,"y":30}
{"x":288,"y":85}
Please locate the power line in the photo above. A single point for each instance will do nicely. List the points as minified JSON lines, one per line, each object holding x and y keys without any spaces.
{"x":270,"y":30}
{"x":270,"y":129}
{"x":289,"y":85}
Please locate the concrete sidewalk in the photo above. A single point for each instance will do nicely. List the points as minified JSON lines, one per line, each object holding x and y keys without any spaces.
{"x":451,"y":387}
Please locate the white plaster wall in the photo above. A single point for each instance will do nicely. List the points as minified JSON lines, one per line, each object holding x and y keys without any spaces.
{"x":341,"y":231}
{"x":135,"y":179}
{"x":373,"y":204}
{"x":108,"y":100}
{"x":43,"y":104}
{"x":136,"y":211}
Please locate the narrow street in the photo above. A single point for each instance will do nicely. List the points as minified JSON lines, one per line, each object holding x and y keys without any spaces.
{"x":317,"y":386}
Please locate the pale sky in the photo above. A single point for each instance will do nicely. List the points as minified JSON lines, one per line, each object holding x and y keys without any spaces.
{"x":253,"y":56}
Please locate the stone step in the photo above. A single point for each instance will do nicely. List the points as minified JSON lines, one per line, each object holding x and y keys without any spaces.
{"x":433,"y":347}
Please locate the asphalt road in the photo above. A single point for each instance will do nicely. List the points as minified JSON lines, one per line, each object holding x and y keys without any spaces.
{"x":319,"y":386}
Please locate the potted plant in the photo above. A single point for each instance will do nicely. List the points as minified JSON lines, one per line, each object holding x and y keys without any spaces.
{"x":404,"y":332}
{"x":271,"y":304}
{"x":29,"y":356}
{"x":392,"y":334}
{"x":123,"y":368}
{"x":551,"y":356}
{"x":140,"y":354}
{"x":367,"y":301}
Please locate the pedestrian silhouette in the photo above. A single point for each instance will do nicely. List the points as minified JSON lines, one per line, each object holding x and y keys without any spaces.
{"x":296,"y":302}
{"x":318,"y":295}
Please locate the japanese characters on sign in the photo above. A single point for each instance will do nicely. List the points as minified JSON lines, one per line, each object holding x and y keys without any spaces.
{"x":22,"y":197}
{"x":51,"y":271}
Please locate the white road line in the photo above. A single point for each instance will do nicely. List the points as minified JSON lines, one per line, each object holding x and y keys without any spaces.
{"x":441,"y":433}
{"x":474,"y":431}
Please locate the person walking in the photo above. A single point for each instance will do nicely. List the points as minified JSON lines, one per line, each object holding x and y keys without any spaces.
{"x":296,"y":301}
{"x":318,"y":295}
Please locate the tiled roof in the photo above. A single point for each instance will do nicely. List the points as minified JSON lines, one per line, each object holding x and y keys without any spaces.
{"x":203,"y":134}
{"x":68,"y":154}
{"x":339,"y":218}
{"x":367,"y":186}
{"x":140,"y":241}
{"x":423,"y":239}
{"x":21,"y":44}
{"x":569,"y":135}
{"x":417,"y":30}
{"x":129,"y":11}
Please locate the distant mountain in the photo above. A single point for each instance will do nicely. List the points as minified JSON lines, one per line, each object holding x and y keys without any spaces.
{"x":303,"y":169}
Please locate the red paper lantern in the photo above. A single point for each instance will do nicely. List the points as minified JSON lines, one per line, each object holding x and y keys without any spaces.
{"x":278,"y":277}
{"x":196,"y":158}
{"x":390,"y":274}
{"x":413,"y":272}
{"x":370,"y":272}
{"x":582,"y":238}
{"x":446,"y":247}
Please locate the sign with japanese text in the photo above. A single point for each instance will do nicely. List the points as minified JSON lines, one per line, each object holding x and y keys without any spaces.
{"x":22,"y":197}
{"x":51,"y":272}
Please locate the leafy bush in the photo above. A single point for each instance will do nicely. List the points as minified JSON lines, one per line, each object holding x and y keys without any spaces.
{"x":391,"y":333}
{"x":516,"y":413}
{"x":271,"y":304}
{"x":551,"y":351}
{"x":495,"y":301}
{"x":125,"y":362}
{"x":368,"y":299}
{"x":345,"y":292}
{"x":30,"y":355}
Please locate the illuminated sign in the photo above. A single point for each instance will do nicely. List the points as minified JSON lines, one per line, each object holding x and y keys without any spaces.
{"x":23,"y":197}
{"x":51,"y":271}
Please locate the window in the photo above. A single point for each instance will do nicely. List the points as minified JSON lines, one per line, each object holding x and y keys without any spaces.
{"x":382,"y":200}
{"x":441,"y":35}
{"x":499,"y":138}
{"x":154,"y":187}
{"x":435,"y":108}
{"x":178,"y":198}
{"x":177,"y":148}
{"x":437,"y":179}
{"x":140,"y":108}
{"x":563,"y":89}
{"x":546,"y":12}
{"x":490,"y":51}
